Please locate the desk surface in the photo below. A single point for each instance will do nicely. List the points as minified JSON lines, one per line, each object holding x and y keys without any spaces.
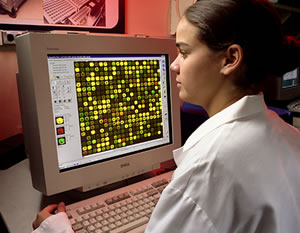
{"x":19,"y":202}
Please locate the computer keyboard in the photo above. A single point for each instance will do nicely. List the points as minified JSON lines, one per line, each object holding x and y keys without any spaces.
{"x":127,"y":209}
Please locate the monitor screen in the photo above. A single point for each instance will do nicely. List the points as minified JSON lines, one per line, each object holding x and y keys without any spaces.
{"x":291,"y":79}
{"x":283,"y":88}
{"x":96,"y":109}
{"x":107,"y":106}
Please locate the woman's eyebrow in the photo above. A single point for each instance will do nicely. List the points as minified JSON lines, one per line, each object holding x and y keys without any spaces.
{"x":181,"y":44}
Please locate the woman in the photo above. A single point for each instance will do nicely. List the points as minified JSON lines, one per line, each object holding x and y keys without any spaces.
{"x":240,"y":170}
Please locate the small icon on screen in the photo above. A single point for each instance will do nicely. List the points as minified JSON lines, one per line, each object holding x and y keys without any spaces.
{"x":61,"y":141}
{"x":59,"y":120}
{"x":60,"y":130}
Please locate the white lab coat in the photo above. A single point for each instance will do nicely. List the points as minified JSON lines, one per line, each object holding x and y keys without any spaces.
{"x":239,"y":172}
{"x":58,"y":223}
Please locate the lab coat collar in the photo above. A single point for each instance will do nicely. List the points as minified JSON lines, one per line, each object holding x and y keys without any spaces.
{"x":246,"y":106}
{"x":178,"y":155}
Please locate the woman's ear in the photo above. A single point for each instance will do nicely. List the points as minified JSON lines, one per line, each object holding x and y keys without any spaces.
{"x":232,"y":59}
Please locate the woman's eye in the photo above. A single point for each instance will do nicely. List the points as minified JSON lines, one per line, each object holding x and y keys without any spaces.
{"x":183,"y":54}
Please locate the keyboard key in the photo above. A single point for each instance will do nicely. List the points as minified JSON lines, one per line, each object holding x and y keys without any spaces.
{"x":131,"y":225}
{"x":87,"y":208}
{"x":85,"y":223}
{"x":82,"y":231}
{"x":72,"y":221}
{"x":97,"y":225}
{"x":159,"y":183}
{"x":105,"y":229}
{"x":91,"y":228}
{"x":99,"y":218}
{"x":152,"y":192}
{"x":77,"y":227}
{"x":81,"y":211}
{"x":79,"y":219}
{"x":93,"y":220}
{"x":92,"y":214}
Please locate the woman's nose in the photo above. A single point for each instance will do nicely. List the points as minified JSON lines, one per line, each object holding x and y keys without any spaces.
{"x":175,"y":66}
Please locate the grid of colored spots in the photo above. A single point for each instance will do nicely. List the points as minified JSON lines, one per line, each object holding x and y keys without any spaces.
{"x":119,"y":103}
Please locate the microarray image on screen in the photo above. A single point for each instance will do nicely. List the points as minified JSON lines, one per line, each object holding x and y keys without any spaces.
{"x":119,"y":103}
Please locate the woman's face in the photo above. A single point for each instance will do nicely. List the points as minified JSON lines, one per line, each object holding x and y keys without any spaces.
{"x":197,"y":67}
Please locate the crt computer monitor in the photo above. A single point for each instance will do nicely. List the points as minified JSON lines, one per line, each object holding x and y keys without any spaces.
{"x":285,"y":87}
{"x":96,"y":109}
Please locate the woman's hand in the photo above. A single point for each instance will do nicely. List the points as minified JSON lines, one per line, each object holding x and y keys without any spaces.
{"x":47,"y":212}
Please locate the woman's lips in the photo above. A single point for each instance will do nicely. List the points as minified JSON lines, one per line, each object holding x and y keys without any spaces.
{"x":178,"y":84}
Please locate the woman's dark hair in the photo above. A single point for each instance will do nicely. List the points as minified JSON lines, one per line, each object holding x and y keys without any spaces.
{"x":254,"y":25}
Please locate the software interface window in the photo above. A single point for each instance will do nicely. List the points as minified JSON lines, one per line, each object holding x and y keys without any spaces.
{"x":118,"y":103}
